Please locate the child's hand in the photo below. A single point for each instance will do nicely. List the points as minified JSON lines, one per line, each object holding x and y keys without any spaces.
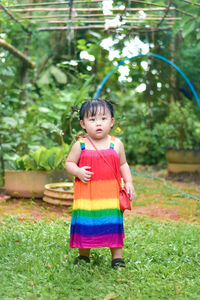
{"x":85,"y":175}
{"x":130,"y":190}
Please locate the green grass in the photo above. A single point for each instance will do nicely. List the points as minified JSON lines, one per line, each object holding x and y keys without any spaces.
{"x":162,"y":262}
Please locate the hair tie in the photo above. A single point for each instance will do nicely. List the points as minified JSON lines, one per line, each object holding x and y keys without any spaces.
{"x":75,"y":109}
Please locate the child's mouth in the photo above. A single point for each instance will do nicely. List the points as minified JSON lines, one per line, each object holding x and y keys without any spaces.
{"x":99,"y":130}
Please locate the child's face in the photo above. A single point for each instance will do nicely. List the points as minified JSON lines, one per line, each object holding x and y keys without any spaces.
{"x":98,"y":126}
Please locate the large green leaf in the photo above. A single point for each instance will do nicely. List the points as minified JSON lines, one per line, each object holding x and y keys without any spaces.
{"x":188,"y":28}
{"x":82,"y":44}
{"x":66,"y":148}
{"x":8,"y":121}
{"x":44,"y":164}
{"x":30,"y":163}
{"x":177,"y":26}
{"x":84,"y":90}
{"x":20,"y":164}
{"x":37,"y":155}
{"x":44,"y":78}
{"x":44,"y":109}
{"x":58,"y":75}
{"x":51,"y":160}
{"x":26,"y":163}
{"x":55,"y":157}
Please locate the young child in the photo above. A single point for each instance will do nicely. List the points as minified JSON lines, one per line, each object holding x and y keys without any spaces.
{"x":97,"y":220}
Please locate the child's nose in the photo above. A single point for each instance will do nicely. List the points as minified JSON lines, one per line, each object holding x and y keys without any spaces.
{"x":98,"y":122}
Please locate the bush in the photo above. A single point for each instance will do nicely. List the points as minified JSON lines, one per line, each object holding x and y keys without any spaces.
{"x":183,"y":126}
{"x":147,"y":137}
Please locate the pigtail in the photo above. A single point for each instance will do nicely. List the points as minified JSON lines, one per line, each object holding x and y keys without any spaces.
{"x":74,"y":109}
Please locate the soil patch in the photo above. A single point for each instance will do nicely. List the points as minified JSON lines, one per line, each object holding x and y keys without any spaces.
{"x":154,"y":211}
{"x":33,"y":209}
{"x":153,"y":200}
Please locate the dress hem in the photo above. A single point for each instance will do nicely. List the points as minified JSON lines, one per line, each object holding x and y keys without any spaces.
{"x":92,"y":247}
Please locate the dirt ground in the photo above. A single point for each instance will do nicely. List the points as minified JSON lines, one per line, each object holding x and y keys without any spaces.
{"x":37,"y":209}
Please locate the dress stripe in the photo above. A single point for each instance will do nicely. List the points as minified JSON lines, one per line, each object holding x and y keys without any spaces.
{"x":97,"y":221}
{"x":96,"y":213}
{"x":98,"y":189}
{"x":88,"y":230}
{"x":107,"y":240}
{"x":96,"y":204}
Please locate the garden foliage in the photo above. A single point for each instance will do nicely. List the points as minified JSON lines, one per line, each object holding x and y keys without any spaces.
{"x":37,"y":106}
{"x":42,"y":159}
{"x":147,"y":138}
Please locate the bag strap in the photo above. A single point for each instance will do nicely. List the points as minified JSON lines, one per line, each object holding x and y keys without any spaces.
{"x":102,"y":156}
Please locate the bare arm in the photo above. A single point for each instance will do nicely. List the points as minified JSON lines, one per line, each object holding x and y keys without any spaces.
{"x":125,"y":172}
{"x":72,"y":164}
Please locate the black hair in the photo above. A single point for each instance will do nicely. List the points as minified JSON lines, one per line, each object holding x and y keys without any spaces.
{"x":91,"y":107}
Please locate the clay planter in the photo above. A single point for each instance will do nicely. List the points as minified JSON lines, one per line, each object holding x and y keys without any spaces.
{"x":28,"y":184}
{"x":61,"y":193}
{"x":183,"y":161}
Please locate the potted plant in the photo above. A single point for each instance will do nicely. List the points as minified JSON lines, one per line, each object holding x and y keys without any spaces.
{"x":31,"y":172}
{"x":183,"y":136}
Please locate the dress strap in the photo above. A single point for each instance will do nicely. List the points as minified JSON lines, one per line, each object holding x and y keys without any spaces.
{"x":112,"y":142}
{"x":82,"y":143}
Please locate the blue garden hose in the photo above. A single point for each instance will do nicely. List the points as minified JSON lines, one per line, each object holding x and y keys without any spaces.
{"x":142,"y":55}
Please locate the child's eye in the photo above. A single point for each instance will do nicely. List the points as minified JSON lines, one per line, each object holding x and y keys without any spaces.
{"x":103,"y":118}
{"x":92,"y":119}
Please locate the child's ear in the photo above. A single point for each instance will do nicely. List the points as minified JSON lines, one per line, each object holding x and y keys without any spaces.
{"x":82,"y":124}
{"x":112,"y":122}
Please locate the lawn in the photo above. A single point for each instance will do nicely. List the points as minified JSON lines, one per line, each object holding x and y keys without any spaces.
{"x":162,"y":249}
{"x":162,"y":262}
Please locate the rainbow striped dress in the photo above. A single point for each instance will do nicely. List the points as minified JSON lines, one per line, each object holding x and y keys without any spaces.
{"x":97,"y":220}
